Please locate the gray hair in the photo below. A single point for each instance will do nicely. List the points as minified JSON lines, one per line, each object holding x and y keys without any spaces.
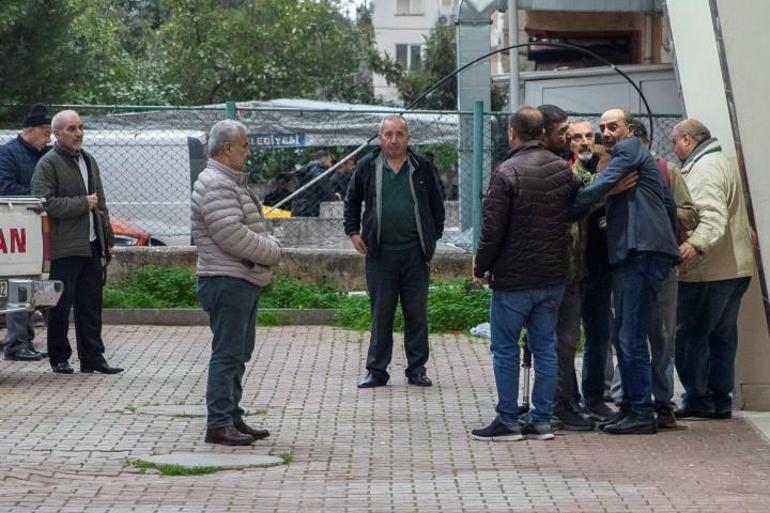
{"x":394,"y":117}
{"x":579,"y":121}
{"x":225,"y":131}
{"x":693,"y":128}
{"x":57,"y":122}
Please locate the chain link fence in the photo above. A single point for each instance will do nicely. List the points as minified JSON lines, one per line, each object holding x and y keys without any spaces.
{"x":150,"y":156}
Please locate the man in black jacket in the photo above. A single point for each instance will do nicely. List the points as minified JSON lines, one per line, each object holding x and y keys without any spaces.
{"x":523,"y":254}
{"x":17,"y":163}
{"x":403,"y":219}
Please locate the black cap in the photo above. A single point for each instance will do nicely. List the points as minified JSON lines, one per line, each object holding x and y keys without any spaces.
{"x":38,"y":115}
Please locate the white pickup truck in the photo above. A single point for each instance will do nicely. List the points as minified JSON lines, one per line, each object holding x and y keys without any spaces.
{"x":24,"y":256}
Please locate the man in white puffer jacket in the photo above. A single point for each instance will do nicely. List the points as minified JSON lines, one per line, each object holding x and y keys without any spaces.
{"x":235,"y":256}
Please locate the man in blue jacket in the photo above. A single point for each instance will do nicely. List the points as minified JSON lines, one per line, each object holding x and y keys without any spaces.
{"x":17,"y":163}
{"x":402,"y":220}
{"x":642,"y":250}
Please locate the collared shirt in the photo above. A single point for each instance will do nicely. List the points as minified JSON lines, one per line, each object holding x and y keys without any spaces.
{"x":84,"y":175}
{"x":399,"y":224}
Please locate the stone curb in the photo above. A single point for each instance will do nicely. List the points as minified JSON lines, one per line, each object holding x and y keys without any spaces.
{"x":197,"y":317}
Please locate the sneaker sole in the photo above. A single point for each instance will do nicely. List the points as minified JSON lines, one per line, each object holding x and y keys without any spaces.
{"x":504,"y":438}
{"x":571,"y":427}
{"x":548,"y":436}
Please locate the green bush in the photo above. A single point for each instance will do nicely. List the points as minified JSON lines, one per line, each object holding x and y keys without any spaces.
{"x":154,"y":287}
{"x":451,"y":306}
{"x":174,"y":287}
{"x":285,"y":292}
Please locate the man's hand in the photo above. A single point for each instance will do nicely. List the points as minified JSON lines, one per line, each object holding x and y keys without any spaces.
{"x":626,"y":183}
{"x":687,"y":251}
{"x":484,"y":280}
{"x":93,"y":200}
{"x":358,"y":243}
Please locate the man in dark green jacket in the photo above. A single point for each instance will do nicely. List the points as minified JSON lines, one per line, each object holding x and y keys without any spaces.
{"x":68,"y":178}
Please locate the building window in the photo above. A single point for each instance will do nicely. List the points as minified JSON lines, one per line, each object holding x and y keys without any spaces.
{"x":409,"y":8}
{"x":409,"y":56}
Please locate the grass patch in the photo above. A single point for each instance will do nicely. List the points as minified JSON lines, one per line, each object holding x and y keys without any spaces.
{"x":287,"y":457}
{"x":173,"y":470}
{"x":154,"y":287}
{"x":271,"y":318}
{"x":130,"y":408}
{"x":452,"y":306}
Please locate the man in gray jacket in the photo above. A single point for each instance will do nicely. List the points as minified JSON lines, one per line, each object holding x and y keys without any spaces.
{"x":235,"y":256}
{"x":81,"y":237}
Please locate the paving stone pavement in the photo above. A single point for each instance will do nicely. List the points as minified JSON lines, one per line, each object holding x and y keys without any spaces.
{"x":66,"y":441}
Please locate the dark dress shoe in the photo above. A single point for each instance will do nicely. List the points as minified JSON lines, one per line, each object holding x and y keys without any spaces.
{"x":23,"y":355}
{"x":371,"y":381}
{"x":62,"y":368}
{"x":102,"y":367}
{"x":632,"y":425}
{"x":42,"y":354}
{"x":684,"y":412}
{"x":244,"y":428}
{"x":420,"y":380}
{"x":227,"y":435}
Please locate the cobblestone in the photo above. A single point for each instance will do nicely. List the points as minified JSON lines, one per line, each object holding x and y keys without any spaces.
{"x":66,"y":442}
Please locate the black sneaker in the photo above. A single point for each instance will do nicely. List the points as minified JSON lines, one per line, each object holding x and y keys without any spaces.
{"x":498,"y":432}
{"x":573,"y":421}
{"x":619,"y":415}
{"x":632,"y":425}
{"x":599,"y":411}
{"x":664,"y":418}
{"x":539,"y":431}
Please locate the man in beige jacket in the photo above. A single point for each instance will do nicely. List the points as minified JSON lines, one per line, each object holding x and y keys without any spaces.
{"x":718,"y":264}
{"x":235,"y":256}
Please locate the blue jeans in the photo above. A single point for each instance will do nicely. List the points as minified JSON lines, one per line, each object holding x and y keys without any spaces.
{"x":662,"y":333}
{"x":635,"y":282}
{"x":232,"y":307}
{"x":597,"y":323}
{"x":706,"y":342}
{"x":510,"y":311}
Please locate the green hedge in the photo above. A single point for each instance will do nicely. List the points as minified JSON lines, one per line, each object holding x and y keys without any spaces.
{"x":451,"y":305}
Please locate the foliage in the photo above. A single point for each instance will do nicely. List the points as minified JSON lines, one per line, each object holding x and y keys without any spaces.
{"x":285,"y":292}
{"x":154,"y":287}
{"x":439,"y":61}
{"x":173,"y":470}
{"x":452,"y":306}
{"x":180,"y":51}
{"x":175,"y":287}
{"x":271,"y":318}
{"x":259,"y":50}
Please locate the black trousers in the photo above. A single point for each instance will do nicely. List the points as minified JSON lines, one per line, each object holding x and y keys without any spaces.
{"x":390,"y":276}
{"x":82,"y":278}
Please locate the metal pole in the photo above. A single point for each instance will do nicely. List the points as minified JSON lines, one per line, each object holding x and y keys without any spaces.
{"x":230,"y":108}
{"x":514,"y":97}
{"x":478,"y":170}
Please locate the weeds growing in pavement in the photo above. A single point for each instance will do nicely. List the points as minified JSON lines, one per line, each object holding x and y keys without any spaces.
{"x":173,"y":470}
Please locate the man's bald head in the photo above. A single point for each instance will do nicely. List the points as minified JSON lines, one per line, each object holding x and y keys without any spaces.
{"x":614,"y":126}
{"x":525,"y":125}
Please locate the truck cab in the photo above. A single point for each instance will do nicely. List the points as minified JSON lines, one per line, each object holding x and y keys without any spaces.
{"x":25,"y":256}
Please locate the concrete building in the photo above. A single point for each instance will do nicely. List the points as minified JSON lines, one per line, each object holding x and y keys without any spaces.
{"x":400,"y":29}
{"x":626,"y":32}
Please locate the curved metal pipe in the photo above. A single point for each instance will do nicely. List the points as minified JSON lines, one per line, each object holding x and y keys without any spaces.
{"x":456,"y":72}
